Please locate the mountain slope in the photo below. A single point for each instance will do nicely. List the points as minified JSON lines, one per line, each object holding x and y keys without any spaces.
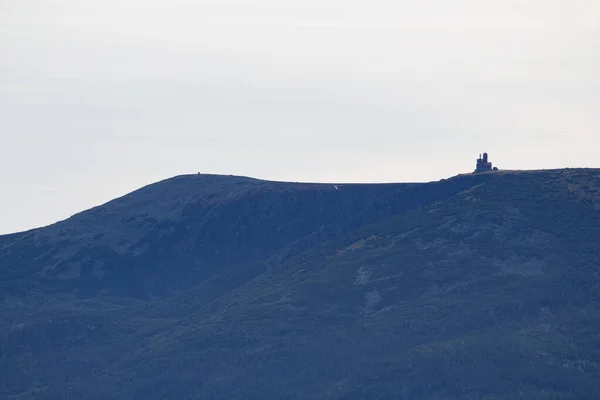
{"x":491,"y":293}
{"x":173,"y":234}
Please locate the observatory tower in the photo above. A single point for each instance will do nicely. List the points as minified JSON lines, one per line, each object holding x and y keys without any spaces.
{"x":483,"y":165}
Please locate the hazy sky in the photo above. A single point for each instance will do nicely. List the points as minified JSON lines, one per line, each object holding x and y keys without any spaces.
{"x":98,"y":98}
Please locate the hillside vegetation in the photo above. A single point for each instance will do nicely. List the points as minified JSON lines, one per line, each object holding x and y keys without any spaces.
{"x":476,"y":287}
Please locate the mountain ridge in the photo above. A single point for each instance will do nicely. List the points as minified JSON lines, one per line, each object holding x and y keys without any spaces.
{"x":481,"y":286}
{"x":187,"y":213}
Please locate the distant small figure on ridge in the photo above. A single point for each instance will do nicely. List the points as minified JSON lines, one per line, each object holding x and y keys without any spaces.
{"x":483,"y":165}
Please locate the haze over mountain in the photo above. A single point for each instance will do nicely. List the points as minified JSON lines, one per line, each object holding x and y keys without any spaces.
{"x":480,"y":286}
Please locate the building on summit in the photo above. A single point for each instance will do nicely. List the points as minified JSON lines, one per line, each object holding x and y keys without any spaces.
{"x":483,"y":165}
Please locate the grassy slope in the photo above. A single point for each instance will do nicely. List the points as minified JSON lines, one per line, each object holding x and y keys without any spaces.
{"x":171,"y":235}
{"x":491,"y":294}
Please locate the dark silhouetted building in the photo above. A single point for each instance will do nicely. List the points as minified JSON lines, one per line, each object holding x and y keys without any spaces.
{"x":483,"y":165}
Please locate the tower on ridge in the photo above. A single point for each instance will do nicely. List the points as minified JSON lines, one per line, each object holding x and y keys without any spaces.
{"x":484,"y":165}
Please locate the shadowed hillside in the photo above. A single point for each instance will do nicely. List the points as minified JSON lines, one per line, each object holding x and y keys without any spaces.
{"x":173,"y":234}
{"x":476,"y":287}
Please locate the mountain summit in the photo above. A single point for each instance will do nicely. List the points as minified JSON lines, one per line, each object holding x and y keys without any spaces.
{"x":481,"y":286}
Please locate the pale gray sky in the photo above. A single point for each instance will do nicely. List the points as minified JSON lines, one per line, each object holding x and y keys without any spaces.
{"x":98,"y":98}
